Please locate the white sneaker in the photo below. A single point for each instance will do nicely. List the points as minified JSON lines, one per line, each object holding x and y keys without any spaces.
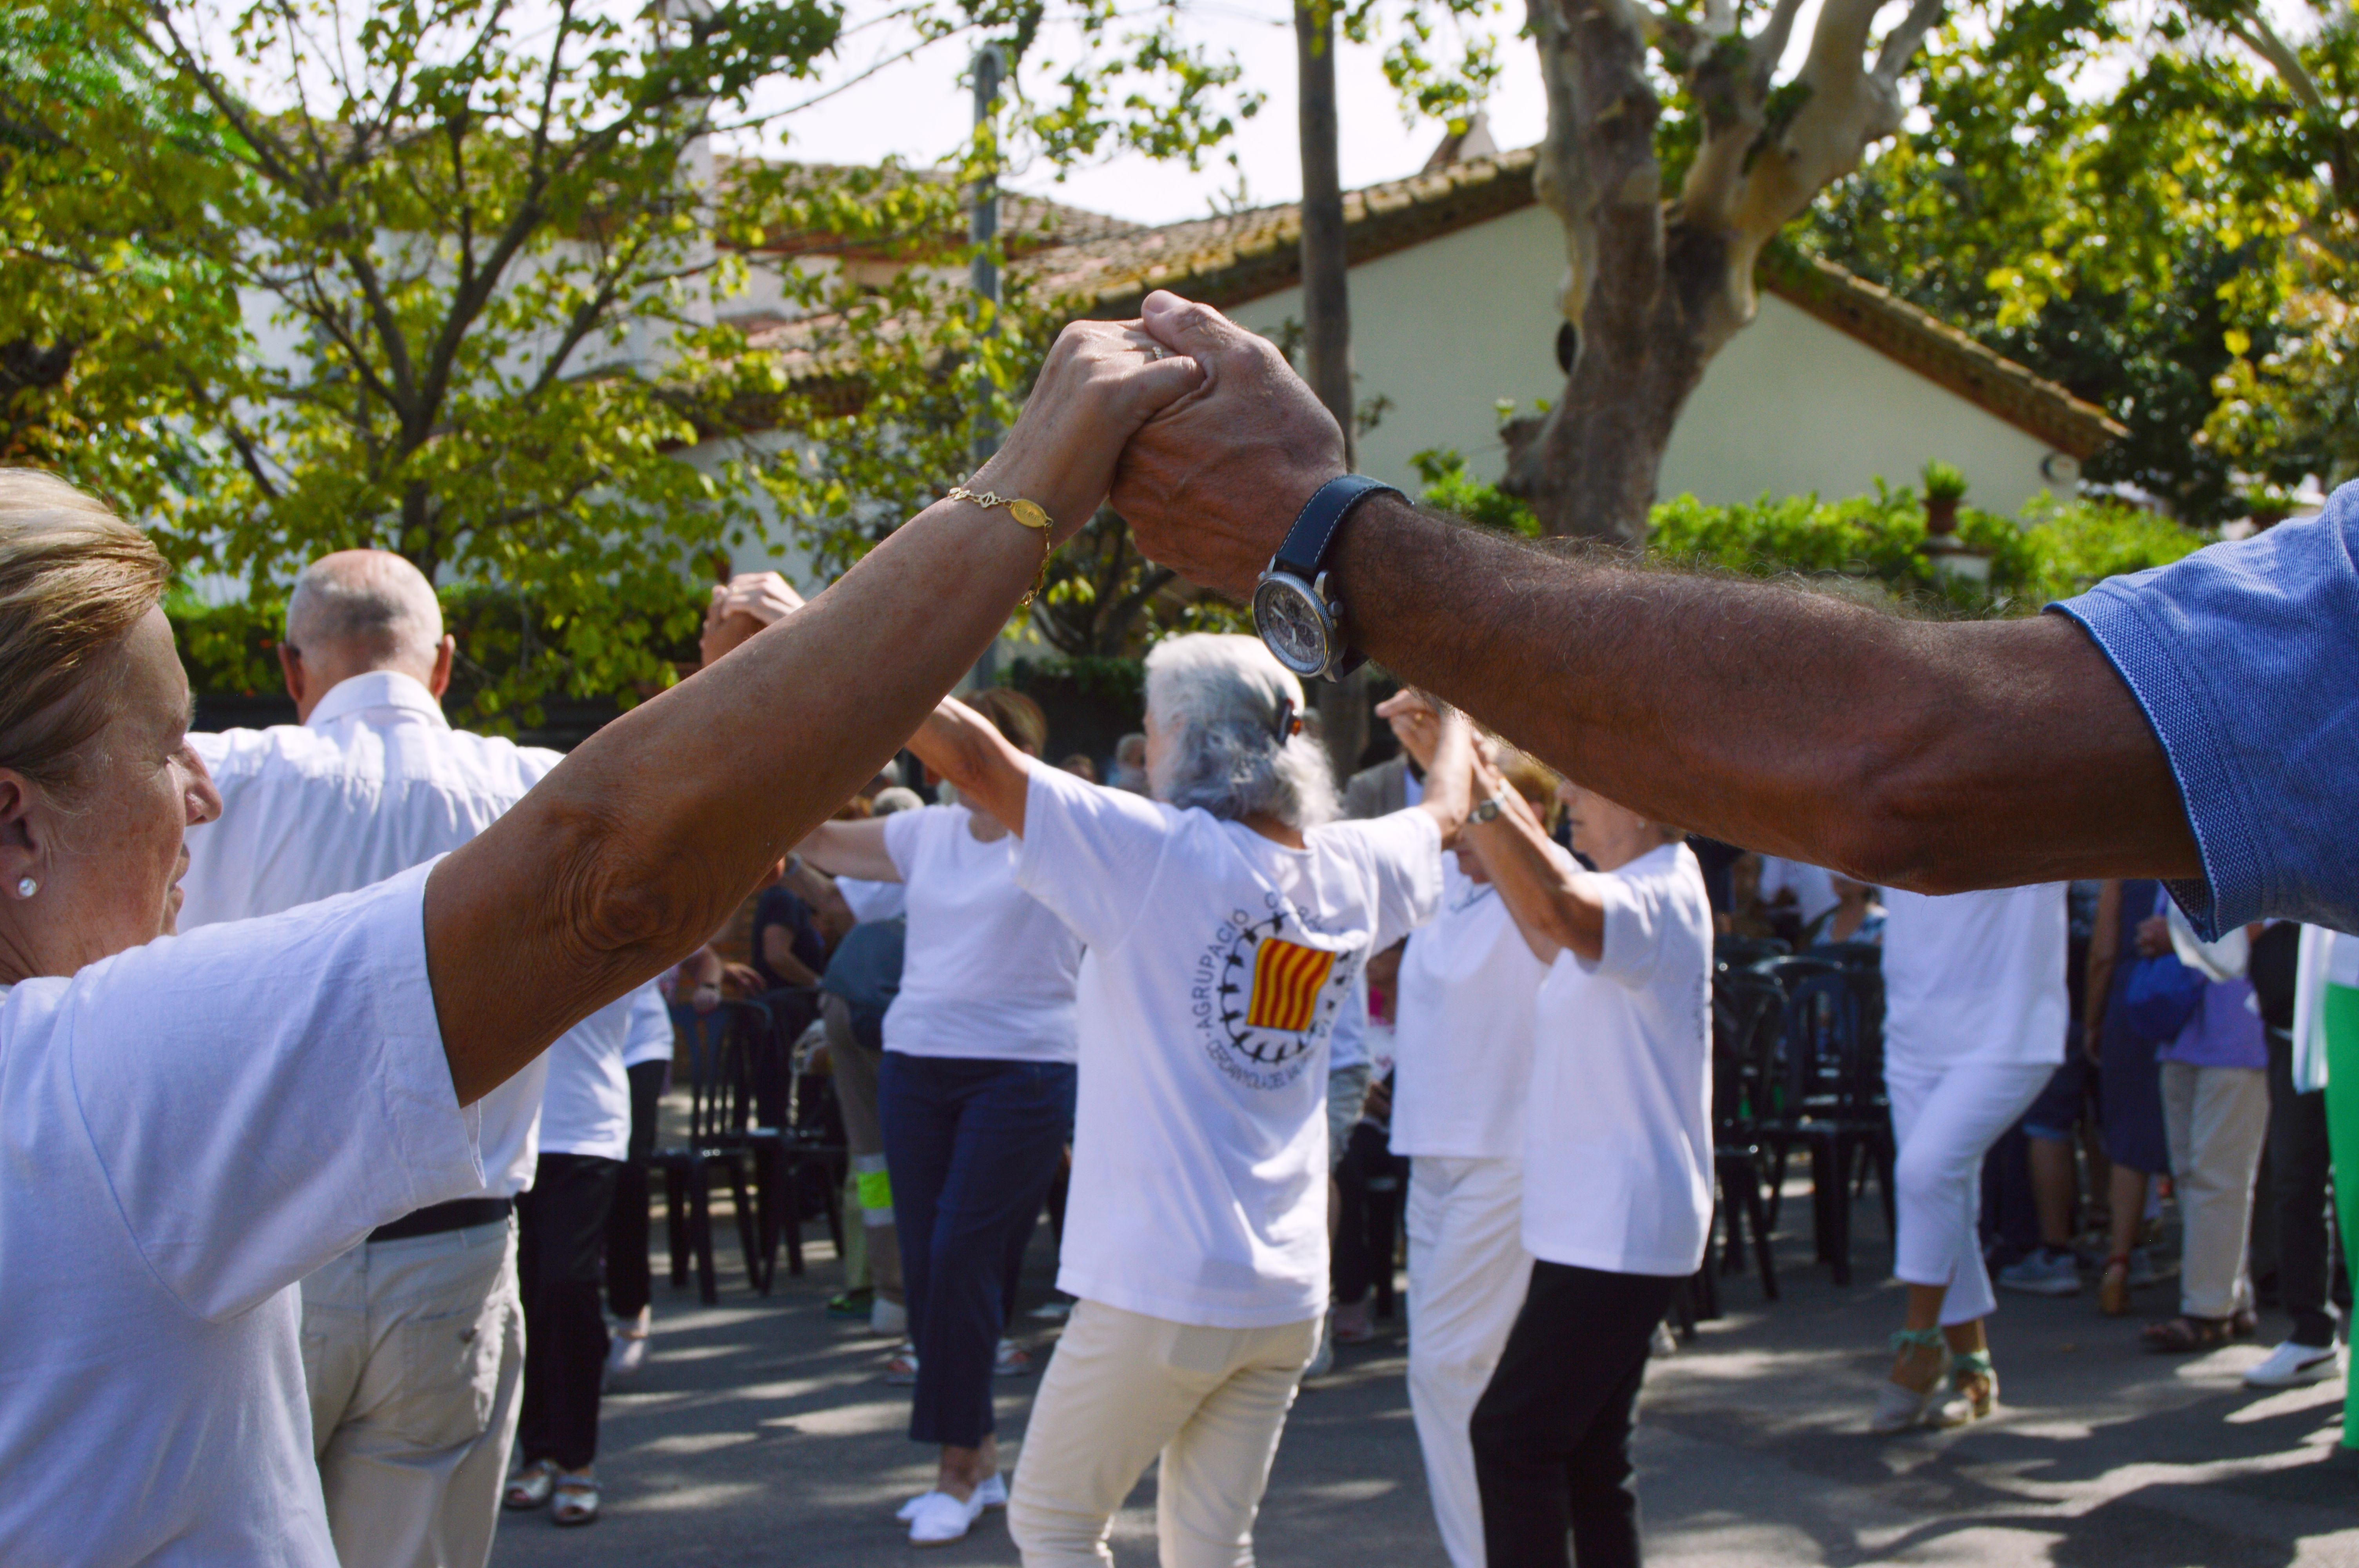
{"x":1011,"y":1360}
{"x":625,"y":1357}
{"x":890,"y":1319}
{"x":991,"y":1494}
{"x":937,"y":1518}
{"x":2291,"y":1366}
{"x":1322,"y":1360}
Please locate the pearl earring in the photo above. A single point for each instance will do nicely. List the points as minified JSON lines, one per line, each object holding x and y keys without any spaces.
{"x":26,"y":887}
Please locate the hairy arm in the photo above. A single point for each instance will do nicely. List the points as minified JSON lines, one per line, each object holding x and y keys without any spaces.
{"x":1938,"y":757}
{"x":635,"y":847}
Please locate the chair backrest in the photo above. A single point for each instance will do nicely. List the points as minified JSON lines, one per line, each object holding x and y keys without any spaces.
{"x":717,"y":1054}
{"x":1791,"y":972}
{"x":1822,"y":1042}
{"x":1738,"y":952}
{"x":1747,"y":1013}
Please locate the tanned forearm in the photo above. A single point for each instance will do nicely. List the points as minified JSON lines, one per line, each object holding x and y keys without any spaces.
{"x":634,"y":849}
{"x":989,"y":773}
{"x":1938,"y":757}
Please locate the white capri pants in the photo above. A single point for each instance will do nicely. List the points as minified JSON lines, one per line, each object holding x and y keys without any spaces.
{"x":1944,"y":1119}
{"x":1123,"y":1386}
{"x":1467,"y":1275}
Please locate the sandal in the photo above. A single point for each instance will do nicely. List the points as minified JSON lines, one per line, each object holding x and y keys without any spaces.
{"x":1974,"y":1382}
{"x":1900,"y":1406}
{"x":575,"y":1501}
{"x":2113,"y":1286}
{"x":2185,"y":1334}
{"x":531,"y":1487}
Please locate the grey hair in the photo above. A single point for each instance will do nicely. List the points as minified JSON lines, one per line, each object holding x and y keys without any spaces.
{"x":373,"y":602}
{"x":1227,"y":704}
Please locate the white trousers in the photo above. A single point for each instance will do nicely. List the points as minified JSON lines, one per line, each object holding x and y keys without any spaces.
{"x":2217,"y":1119}
{"x":1467,"y":1274}
{"x":1944,"y":1119}
{"x":1122,"y":1388}
{"x":413,"y":1354}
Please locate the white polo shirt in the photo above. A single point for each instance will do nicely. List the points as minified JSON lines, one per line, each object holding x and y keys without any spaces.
{"x":1618,"y":1161}
{"x":376,"y":781}
{"x":188,"y":1129}
{"x":1216,"y":963}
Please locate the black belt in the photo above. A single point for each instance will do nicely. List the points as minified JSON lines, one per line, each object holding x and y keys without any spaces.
{"x":456,"y":1215}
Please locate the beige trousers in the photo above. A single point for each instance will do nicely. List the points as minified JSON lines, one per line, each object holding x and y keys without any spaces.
{"x":1122,"y":1388}
{"x":2217,"y":1119}
{"x":413,"y":1354}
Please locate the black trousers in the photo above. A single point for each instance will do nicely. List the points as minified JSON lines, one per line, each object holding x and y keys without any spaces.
{"x":2297,"y":1171}
{"x":1553,"y":1431}
{"x":560,"y":1232}
{"x":627,"y":1283}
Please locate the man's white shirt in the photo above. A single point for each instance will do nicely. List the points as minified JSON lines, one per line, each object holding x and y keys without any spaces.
{"x":374,"y":782}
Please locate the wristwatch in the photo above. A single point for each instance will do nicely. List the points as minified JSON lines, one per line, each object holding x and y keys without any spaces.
{"x":1298,"y":619}
{"x":1486,"y":810}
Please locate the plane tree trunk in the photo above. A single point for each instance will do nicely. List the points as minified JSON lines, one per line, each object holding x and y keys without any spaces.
{"x":1655,"y":287}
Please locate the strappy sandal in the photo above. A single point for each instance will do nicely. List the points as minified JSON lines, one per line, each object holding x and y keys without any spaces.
{"x":531,"y":1487}
{"x":2113,"y":1286}
{"x":1899,"y":1406}
{"x":575,"y":1501}
{"x":1974,"y":1382}
{"x":2186,"y":1335}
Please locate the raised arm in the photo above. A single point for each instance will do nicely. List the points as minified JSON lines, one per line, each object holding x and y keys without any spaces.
{"x":1443,"y":744}
{"x":635,"y":847}
{"x":967,"y":749}
{"x":1938,"y":757}
{"x":851,"y":849}
{"x":1554,"y":904}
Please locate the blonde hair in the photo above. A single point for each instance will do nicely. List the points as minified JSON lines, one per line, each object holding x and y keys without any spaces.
{"x":74,"y":579}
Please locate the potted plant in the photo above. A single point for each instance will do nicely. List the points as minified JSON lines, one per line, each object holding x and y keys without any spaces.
{"x":1945,"y":486}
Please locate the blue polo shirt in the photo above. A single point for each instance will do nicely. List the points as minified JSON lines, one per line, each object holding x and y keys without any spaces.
{"x":2246,"y":658}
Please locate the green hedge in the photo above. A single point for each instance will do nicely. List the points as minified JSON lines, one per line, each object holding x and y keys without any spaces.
{"x":2054,"y":550}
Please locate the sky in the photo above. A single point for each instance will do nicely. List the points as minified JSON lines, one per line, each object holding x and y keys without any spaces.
{"x":919,"y":111}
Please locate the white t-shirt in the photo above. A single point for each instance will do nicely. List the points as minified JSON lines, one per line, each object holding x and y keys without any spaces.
{"x":1217,"y":962}
{"x":873,"y":901}
{"x":586,"y":1108}
{"x":1618,"y":1161}
{"x":188,"y":1129}
{"x":988,"y":971}
{"x":1975,"y":977}
{"x":649,"y":1035}
{"x":374,"y":782}
{"x":1462,"y":1029}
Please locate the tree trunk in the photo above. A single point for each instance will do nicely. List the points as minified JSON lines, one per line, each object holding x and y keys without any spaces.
{"x":1326,"y":293}
{"x":1654,"y":288}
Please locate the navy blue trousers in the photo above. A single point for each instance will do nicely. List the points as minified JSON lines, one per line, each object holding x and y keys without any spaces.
{"x":972,"y":1145}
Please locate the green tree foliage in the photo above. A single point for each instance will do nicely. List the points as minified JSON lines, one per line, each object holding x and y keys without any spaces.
{"x":463,"y":273}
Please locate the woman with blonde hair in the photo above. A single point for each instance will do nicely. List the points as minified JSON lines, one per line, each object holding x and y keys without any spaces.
{"x":189,"y":1125}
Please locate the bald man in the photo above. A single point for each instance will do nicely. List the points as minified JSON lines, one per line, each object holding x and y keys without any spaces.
{"x":413,"y":1342}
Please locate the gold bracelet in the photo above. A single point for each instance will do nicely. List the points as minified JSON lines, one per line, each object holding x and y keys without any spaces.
{"x":1027,"y":513}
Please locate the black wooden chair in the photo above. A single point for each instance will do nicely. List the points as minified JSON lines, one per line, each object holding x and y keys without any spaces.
{"x":715,"y":1054}
{"x":1832,"y":1102}
{"x":1746,"y":1009}
{"x":1741,"y":952}
{"x":803,"y":1160}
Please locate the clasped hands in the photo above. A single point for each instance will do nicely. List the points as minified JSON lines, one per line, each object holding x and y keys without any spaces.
{"x":1198,"y":431}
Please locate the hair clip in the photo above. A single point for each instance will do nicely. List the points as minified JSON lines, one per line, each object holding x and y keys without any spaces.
{"x":1290,"y":724}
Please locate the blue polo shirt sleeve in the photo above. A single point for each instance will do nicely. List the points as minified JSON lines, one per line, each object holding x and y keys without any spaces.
{"x":2246,"y":658}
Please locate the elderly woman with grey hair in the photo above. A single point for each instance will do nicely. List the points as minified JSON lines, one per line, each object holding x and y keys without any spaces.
{"x":189,"y":1125}
{"x":1225,"y":920}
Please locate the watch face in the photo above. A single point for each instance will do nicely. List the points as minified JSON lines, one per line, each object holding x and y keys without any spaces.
{"x":1293,"y":623}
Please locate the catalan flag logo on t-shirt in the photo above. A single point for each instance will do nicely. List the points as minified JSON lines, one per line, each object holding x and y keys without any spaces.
{"x":1286,"y":981}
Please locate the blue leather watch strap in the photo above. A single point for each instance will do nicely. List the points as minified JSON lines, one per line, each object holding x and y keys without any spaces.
{"x":1304,"y":551}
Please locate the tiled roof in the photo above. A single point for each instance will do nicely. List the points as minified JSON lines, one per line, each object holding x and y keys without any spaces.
{"x":1239,"y":257}
{"x":1108,"y":266}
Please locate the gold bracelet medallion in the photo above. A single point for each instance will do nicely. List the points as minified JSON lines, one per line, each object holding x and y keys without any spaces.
{"x":1027,"y":513}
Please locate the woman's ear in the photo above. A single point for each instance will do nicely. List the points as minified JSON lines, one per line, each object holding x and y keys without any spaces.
{"x":21,"y":846}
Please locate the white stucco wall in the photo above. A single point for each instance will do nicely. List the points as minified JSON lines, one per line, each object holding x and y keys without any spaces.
{"x":1447,"y":328}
